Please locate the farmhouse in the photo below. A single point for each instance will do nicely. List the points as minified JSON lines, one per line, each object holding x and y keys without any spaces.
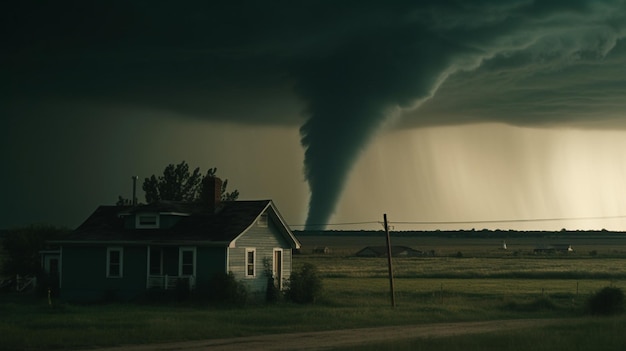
{"x":126,"y":251}
{"x":381,"y":251}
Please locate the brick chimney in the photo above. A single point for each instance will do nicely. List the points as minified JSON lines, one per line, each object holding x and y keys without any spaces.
{"x":212,"y":191}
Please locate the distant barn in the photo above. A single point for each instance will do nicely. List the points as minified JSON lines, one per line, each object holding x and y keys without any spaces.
{"x":396,"y":251}
{"x":554,"y":248}
{"x":321,"y":250}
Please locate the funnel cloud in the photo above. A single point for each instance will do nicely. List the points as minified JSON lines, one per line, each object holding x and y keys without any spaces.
{"x":340,"y":71}
{"x":397,"y":60}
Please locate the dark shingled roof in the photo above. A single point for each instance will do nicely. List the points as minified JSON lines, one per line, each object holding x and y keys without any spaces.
{"x":202,"y":224}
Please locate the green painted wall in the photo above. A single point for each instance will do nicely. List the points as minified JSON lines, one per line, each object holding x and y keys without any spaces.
{"x":209,"y":261}
{"x":83,"y":274}
{"x":83,"y":271}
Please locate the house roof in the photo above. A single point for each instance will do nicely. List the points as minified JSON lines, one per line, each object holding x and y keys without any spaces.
{"x":197,"y":223}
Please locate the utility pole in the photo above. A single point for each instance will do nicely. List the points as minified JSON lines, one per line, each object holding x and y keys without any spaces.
{"x":393,"y":295}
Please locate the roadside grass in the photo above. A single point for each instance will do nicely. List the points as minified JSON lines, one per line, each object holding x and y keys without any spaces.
{"x":603,"y":334}
{"x":30,"y":323}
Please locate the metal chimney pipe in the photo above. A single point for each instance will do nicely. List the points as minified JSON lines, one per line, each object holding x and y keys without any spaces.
{"x":135,"y":190}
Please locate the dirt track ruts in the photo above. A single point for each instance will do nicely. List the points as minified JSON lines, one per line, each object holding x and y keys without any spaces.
{"x":344,"y":337}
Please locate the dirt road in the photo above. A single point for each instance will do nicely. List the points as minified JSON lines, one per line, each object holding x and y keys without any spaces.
{"x":346,"y":337}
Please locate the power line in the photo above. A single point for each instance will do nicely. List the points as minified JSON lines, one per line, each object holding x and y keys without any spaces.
{"x":332,"y":224}
{"x":528,"y":220}
{"x":514,"y":220}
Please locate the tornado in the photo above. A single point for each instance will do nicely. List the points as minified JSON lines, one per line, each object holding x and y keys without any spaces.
{"x":397,"y":59}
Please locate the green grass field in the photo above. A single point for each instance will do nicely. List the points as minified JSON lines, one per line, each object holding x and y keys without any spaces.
{"x":356,"y":294}
{"x":607,"y":269}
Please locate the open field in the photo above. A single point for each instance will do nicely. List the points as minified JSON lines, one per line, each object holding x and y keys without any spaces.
{"x":485,"y":245}
{"x":607,"y":269}
{"x":484,"y":284}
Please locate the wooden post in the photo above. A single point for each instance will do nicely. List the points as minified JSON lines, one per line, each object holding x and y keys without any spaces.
{"x":393,"y":295}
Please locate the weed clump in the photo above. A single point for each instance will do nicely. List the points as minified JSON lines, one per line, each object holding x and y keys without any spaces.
{"x":608,"y":301}
{"x":227,"y":289}
{"x":304,"y":285}
{"x":536,"y":305}
{"x":272,"y":292}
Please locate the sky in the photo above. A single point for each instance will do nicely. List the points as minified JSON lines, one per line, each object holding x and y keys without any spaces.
{"x":441,"y":114}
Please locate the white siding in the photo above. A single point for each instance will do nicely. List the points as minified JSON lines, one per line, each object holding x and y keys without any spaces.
{"x":264,"y":240}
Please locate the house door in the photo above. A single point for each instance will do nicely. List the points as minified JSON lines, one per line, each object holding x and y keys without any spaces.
{"x":51,"y":265}
{"x":54,"y":266}
{"x":278,"y":268}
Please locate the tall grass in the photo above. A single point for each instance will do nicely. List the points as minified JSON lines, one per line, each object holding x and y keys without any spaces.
{"x":355,"y":294}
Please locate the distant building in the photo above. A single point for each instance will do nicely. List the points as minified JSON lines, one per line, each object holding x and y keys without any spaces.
{"x":396,"y":251}
{"x":553,"y":248}
{"x":321,"y":250}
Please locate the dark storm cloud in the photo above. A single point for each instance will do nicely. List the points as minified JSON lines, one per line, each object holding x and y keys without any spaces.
{"x":335,"y":68}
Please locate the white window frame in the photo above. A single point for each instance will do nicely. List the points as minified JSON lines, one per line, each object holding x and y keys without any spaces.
{"x":180,"y":261}
{"x":154,"y":225}
{"x":121,"y":263}
{"x":245,"y":268}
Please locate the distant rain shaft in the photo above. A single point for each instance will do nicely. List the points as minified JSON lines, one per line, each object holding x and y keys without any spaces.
{"x":397,"y":59}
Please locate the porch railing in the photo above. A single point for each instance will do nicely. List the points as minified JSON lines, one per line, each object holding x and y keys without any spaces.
{"x":23,"y":283}
{"x":168,"y":282}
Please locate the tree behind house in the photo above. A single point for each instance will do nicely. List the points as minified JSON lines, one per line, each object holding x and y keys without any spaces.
{"x":178,"y":183}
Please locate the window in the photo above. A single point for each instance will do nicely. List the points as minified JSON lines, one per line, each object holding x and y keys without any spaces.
{"x":115,"y":262}
{"x":147,"y":220}
{"x":250,"y":262}
{"x":187,"y":261}
{"x":262,"y":221}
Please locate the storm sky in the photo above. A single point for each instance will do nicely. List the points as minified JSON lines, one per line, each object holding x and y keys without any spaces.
{"x":442,"y":114}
